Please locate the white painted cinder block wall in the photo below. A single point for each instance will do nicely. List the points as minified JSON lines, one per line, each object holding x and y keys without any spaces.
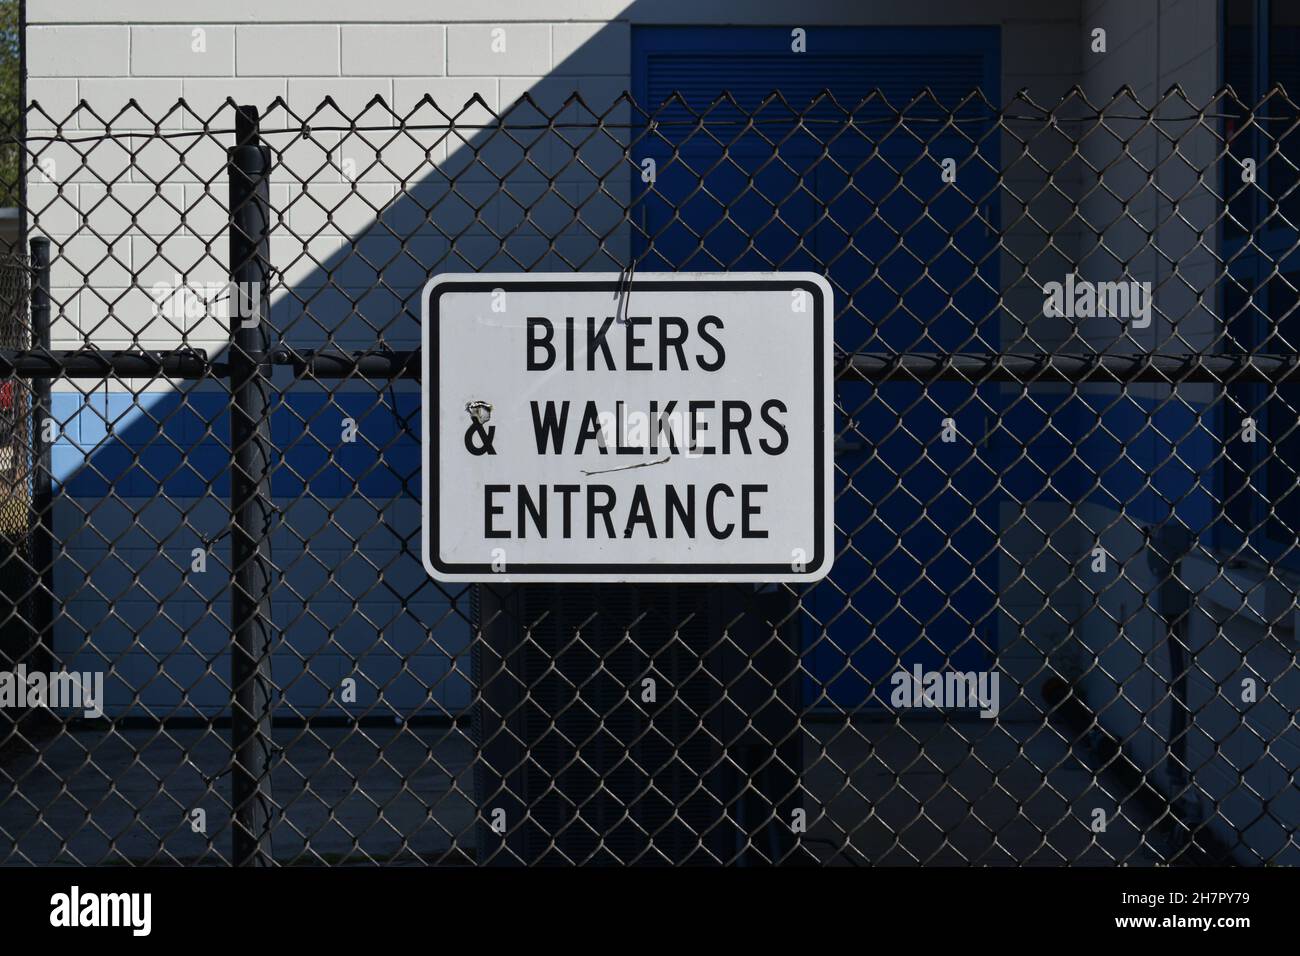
{"x":254,"y":52}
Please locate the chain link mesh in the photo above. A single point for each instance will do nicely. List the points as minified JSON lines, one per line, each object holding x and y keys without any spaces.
{"x":1085,"y":510}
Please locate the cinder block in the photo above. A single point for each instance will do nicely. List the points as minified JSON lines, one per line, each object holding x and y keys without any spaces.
{"x":352,"y":95}
{"x":550,"y":93}
{"x":339,"y":209}
{"x":116,"y":315}
{"x":183,"y":51}
{"x":394,"y":158}
{"x":450,"y":94}
{"x":155,"y":209}
{"x":312,"y":160}
{"x":207,"y":97}
{"x":65,"y":329}
{"x":94,"y":261}
{"x":156,"y":101}
{"x":591,"y":48}
{"x":1043,"y":49}
{"x":181,"y":159}
{"x":194,"y":258}
{"x":309,"y":259}
{"x":56,"y":98}
{"x":78,"y":51}
{"x":299,"y":50}
{"x":53,"y":210}
{"x":393,"y":50}
{"x":206,"y":212}
{"x":449,"y":107}
{"x":514,"y":49}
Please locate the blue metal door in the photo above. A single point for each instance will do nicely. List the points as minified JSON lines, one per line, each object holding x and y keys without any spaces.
{"x":841,"y":188}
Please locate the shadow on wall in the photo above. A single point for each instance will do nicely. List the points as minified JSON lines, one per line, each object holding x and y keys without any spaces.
{"x":361,"y":220}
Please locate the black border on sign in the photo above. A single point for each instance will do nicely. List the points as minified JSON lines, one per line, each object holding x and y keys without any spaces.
{"x":432,"y":445}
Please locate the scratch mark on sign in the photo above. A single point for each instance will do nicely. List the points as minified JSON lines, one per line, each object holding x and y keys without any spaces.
{"x":639,"y":464}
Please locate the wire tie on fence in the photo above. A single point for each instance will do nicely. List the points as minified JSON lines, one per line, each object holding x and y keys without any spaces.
{"x":623,"y":292}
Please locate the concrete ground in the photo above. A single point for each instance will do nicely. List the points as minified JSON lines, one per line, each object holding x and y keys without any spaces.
{"x":923,"y":791}
{"x":963,"y":792}
{"x":357,"y":794}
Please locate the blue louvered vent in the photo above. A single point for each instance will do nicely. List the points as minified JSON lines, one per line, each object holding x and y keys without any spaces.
{"x":700,"y":77}
{"x":895,"y":79}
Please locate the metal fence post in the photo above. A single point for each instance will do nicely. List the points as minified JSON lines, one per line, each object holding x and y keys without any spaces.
{"x":42,"y":480}
{"x":250,"y":494}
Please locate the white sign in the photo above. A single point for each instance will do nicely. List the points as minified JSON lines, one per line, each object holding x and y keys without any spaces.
{"x":579,"y":429}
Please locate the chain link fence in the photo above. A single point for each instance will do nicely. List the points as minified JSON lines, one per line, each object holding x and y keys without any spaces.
{"x":18,"y":608}
{"x":1061,"y":623}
